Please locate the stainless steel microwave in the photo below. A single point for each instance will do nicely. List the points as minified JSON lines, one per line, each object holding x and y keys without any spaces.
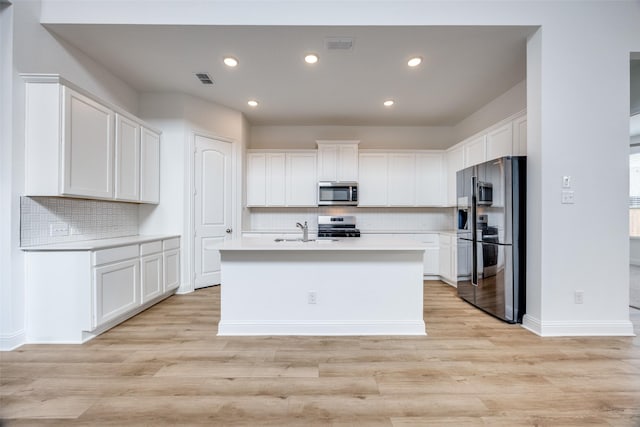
{"x":337,"y":193}
{"x":485,"y":193}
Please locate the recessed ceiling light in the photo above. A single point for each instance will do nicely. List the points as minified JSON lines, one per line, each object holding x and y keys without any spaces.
{"x":230,"y":61}
{"x":253,"y":103}
{"x":415,"y":61}
{"x":388,"y":103}
{"x":311,"y":58}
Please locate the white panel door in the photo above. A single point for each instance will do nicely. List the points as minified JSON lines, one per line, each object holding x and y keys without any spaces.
{"x":430,"y":188}
{"x":500,"y":142}
{"x":149,"y":166}
{"x":127,"y":159}
{"x":212,"y":207}
{"x":402,"y":179}
{"x":151,"y":272}
{"x":475,"y":151}
{"x":372,"y":180}
{"x":88,"y":147}
{"x":116,"y":291}
{"x":302,"y":181}
{"x":276,"y":179}
{"x":256,"y":179}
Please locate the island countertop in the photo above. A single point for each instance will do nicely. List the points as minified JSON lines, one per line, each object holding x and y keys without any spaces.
{"x":341,"y":244}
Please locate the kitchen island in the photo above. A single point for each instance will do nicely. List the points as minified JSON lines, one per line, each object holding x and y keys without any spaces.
{"x":352,"y":286}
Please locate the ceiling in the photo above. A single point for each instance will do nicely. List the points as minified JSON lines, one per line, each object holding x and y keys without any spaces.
{"x":464,"y":68}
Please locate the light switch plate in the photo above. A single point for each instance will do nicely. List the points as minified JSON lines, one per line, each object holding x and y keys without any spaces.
{"x":566,"y":181}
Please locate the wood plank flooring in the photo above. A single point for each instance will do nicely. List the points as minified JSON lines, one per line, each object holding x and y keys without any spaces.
{"x":166,"y":366}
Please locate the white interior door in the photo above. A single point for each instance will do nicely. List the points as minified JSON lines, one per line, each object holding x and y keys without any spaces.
{"x":212,"y":207}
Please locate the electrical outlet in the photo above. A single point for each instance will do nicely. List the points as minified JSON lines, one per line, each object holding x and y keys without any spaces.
{"x":578,"y":297}
{"x":312,"y":297}
{"x":567,"y":197}
{"x":58,"y":229}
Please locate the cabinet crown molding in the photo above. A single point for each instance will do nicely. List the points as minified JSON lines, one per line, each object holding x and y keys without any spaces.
{"x":337,"y":141}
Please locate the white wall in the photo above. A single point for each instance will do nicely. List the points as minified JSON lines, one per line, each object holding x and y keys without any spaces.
{"x":387,"y":137}
{"x":507,"y":104}
{"x":27,"y":47}
{"x":180,"y":116}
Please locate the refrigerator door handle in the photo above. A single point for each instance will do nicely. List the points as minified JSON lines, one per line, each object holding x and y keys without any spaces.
{"x":474,"y":231}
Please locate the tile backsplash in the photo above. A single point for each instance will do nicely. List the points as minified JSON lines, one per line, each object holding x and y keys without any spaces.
{"x":46,"y":220}
{"x":368,"y":220}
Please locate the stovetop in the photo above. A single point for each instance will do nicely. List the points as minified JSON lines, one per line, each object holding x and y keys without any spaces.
{"x":337,"y":226}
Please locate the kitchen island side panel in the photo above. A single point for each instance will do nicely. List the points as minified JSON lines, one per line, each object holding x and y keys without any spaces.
{"x":356,"y":292}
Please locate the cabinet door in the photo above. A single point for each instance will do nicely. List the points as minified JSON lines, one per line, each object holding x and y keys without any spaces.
{"x":430,"y":182}
{"x":455,"y":162}
{"x":127,"y":159}
{"x":475,"y":151}
{"x":327,"y":162}
{"x":520,"y":136}
{"x":500,"y":142}
{"x":431,"y":261}
{"x":151,"y":276}
{"x":149,"y":166}
{"x":402,"y":179}
{"x":116,"y":290}
{"x":302,"y":181}
{"x":276,"y":179}
{"x":347,"y":163}
{"x":256,"y":179}
{"x":445,"y":266}
{"x":372,"y":182}
{"x":87,"y":163}
{"x":171,"y":263}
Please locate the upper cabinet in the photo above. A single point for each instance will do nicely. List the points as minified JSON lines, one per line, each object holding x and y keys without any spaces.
{"x":78,"y":146}
{"x":401,"y":178}
{"x":338,"y":161}
{"x":520,"y":136}
{"x":500,"y":142}
{"x":279,"y":178}
{"x":475,"y":151}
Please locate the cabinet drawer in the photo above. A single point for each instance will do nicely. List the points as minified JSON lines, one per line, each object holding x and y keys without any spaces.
{"x":106,"y":256}
{"x":428,"y":239}
{"x":171,"y":243}
{"x":150,"y":248}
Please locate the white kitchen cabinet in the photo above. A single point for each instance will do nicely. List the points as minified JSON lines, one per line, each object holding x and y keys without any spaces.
{"x":88,"y":145}
{"x":520,"y":136}
{"x":455,"y":163}
{"x":79,"y":146}
{"x":401,"y":177}
{"x":500,"y":142}
{"x":338,"y":161}
{"x":446,"y":262}
{"x":76,"y":293}
{"x":279,"y":178}
{"x":127,"y":159}
{"x":149,"y":166}
{"x":117,"y":290}
{"x":276,"y":179}
{"x":430,"y":179}
{"x":302,"y":179}
{"x":372,"y":179}
{"x":475,"y":151}
{"x":151,"y":270}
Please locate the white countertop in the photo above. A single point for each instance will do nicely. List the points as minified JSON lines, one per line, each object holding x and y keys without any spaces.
{"x":90,"y":245}
{"x":344,"y":244}
{"x":363,"y":232}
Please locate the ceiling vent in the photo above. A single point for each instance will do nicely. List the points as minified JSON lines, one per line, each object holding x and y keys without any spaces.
{"x":339,"y":43}
{"x":204,"y":78}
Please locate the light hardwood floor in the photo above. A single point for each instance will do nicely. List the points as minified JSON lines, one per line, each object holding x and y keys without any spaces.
{"x":167,"y":366}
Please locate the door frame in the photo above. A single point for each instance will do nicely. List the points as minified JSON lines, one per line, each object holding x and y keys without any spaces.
{"x":189,"y":241}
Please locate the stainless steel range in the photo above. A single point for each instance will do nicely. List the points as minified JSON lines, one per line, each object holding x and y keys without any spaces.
{"x":337,"y":226}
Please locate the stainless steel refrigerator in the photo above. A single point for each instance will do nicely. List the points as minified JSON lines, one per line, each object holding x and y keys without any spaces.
{"x":491,"y":214}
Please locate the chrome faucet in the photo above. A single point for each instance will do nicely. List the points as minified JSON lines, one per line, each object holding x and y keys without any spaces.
{"x":305,"y":231}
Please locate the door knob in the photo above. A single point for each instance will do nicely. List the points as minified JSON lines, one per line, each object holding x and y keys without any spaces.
{"x":228,"y":230}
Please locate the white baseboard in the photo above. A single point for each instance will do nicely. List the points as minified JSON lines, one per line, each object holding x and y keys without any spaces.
{"x":12,"y":341}
{"x":321,"y":328}
{"x":577,"y":329}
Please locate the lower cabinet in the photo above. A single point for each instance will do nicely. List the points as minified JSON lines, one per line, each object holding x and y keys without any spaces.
{"x":74,"y":295}
{"x":448,"y":264}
